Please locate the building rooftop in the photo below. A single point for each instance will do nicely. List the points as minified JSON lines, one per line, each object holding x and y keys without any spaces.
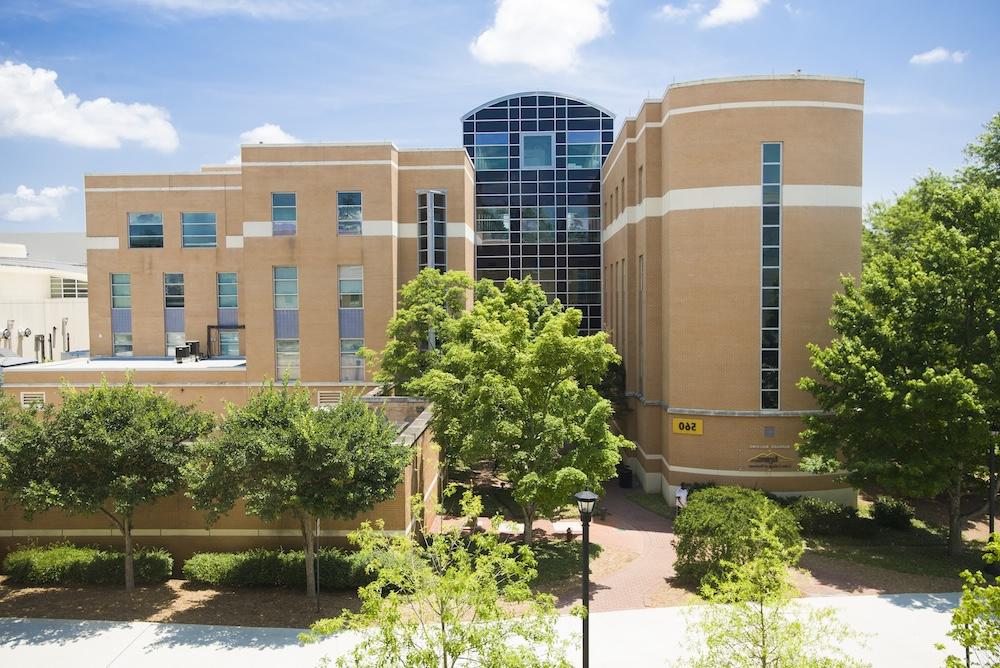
{"x":50,"y":265}
{"x":142,"y":364}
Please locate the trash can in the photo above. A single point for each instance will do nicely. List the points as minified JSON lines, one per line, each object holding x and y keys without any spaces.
{"x":624,"y":476}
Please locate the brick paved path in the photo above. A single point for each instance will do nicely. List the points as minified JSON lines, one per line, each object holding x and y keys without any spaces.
{"x":647,"y":534}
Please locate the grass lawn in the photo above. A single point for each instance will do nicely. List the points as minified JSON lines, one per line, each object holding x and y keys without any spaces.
{"x":559,"y":560}
{"x":654,"y":503}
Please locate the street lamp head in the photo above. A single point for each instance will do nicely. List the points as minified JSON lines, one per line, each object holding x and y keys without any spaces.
{"x":585,"y":501}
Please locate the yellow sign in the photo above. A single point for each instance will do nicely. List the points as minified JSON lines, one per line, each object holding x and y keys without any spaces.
{"x":688,"y":426}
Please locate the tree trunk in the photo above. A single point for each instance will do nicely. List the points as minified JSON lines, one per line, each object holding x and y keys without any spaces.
{"x":955,"y":518}
{"x":129,"y":563}
{"x":307,"y":535}
{"x":529,"y":522}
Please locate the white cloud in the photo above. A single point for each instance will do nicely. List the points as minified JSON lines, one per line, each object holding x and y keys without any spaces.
{"x":938,"y":55}
{"x":302,"y":10}
{"x":32,"y":105}
{"x":25,"y":205}
{"x":269,"y":133}
{"x":794,"y":11}
{"x":732,"y":11}
{"x":545,"y":34}
{"x":676,"y":13}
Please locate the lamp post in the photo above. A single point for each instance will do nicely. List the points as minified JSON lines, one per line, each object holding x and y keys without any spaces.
{"x":585,"y":501}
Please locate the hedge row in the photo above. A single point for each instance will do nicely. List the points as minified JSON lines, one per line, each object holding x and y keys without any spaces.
{"x":261,"y":567}
{"x":64,"y":563}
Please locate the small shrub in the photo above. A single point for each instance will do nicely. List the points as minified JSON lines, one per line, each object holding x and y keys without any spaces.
{"x":819,"y":517}
{"x":715,"y":527}
{"x":65,"y":563}
{"x":892,"y":513}
{"x":260,"y":567}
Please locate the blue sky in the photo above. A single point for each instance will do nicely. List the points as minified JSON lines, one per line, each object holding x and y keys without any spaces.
{"x":167,"y":85}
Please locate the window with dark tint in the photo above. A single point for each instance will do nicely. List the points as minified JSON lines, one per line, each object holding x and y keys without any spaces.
{"x":770,"y":301}
{"x":283,"y":214}
{"x":198,"y":230}
{"x":349,"y":213}
{"x":145,"y":230}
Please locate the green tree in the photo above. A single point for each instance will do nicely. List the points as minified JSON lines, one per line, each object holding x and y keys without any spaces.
{"x":713,"y":531}
{"x":431,"y":302}
{"x":975,"y":623}
{"x":284,"y":457}
{"x":752,"y":620}
{"x":984,"y":156}
{"x":517,"y":386}
{"x":108,"y":449}
{"x":911,"y":384}
{"x":446,"y":600}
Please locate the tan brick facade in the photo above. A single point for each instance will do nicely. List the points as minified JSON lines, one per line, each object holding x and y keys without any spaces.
{"x":683,"y":207}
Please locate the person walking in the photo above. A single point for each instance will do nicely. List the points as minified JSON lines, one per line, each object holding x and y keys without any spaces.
{"x":681,"y":497}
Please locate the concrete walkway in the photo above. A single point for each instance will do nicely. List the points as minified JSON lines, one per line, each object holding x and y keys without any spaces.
{"x":903,"y":630}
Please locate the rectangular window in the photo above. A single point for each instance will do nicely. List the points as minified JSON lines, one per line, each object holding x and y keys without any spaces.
{"x":121,"y":291}
{"x":122,"y":344}
{"x":229,"y":343}
{"x":173,"y":290}
{"x":198,"y":230}
{"x":432,"y":230}
{"x":66,"y":288}
{"x":492,"y":225}
{"x":538,"y":225}
{"x":352,"y":365}
{"x":145,"y":230}
{"x":491,"y":150}
{"x":283,"y":214}
{"x":227,"y":289}
{"x":583,"y":150}
{"x":174,"y":340}
{"x":770,"y":276}
{"x":351,"y":286}
{"x":349,"y":213}
{"x":583,"y":224}
{"x":286,"y":358}
{"x":286,"y":288}
{"x":537,"y":150}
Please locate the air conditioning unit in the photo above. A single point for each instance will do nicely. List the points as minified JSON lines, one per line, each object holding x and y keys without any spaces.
{"x":328,"y":397}
{"x":181,"y":352}
{"x":195,"y":348}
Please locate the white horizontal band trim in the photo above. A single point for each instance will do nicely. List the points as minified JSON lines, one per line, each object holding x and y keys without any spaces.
{"x":733,"y":473}
{"x":234,"y":241}
{"x":721,"y":197}
{"x":455,"y":231}
{"x":257,"y":228}
{"x":729,"y":106}
{"x":379,"y":228}
{"x":102,"y":243}
{"x":404,"y":168}
{"x":151,"y":533}
{"x":318,"y":163}
{"x":166,"y":384}
{"x":164,"y":189}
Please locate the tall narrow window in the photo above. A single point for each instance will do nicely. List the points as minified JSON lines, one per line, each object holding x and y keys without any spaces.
{"x":198,"y":230}
{"x":121,"y":315}
{"x":287,"y":358}
{"x":145,"y":230}
{"x":286,"y":288}
{"x":642,"y":185}
{"x":227,"y":289}
{"x":642,"y":324}
{"x":770,"y":276}
{"x":173,"y":301}
{"x":349,"y":213}
{"x":432,"y":230}
{"x":283,"y":214}
{"x":351,"y":286}
{"x":351,"y":314}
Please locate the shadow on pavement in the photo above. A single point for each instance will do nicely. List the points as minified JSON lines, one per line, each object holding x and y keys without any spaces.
{"x":15,"y":632}
{"x":220,"y":637}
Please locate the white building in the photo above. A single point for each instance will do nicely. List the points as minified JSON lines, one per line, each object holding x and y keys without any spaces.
{"x":43,"y":306}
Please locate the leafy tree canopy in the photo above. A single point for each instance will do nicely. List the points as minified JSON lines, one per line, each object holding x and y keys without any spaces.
{"x":109,"y":449}
{"x":282,"y":456}
{"x":911,"y":385}
{"x":517,"y":386}
{"x":448,"y":599}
